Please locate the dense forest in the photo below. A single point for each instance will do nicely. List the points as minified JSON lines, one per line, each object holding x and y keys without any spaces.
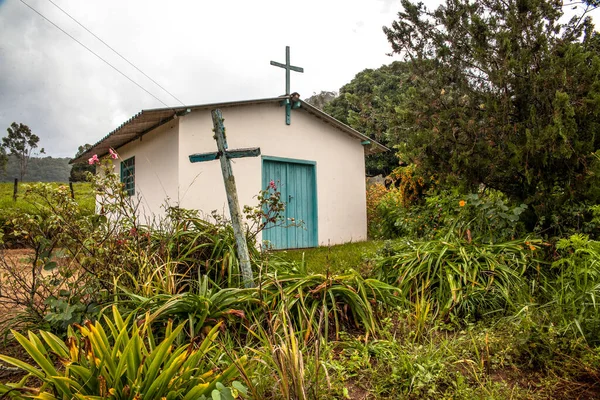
{"x":40,"y":169}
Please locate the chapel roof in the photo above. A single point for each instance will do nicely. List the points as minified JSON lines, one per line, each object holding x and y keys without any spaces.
{"x":148,"y":120}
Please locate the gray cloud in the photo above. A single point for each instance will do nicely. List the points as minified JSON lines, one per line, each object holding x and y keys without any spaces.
{"x":202,"y":52}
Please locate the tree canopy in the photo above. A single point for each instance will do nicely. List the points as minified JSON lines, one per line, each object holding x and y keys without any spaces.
{"x":503,"y":94}
{"x":40,"y":169}
{"x":3,"y":159}
{"x":366,"y":104}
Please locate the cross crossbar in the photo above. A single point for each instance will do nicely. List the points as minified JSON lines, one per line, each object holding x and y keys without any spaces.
{"x":291,"y":67}
{"x":215,"y":155}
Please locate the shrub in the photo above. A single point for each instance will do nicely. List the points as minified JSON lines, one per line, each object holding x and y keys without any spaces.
{"x":458,"y":277}
{"x":344,"y":299}
{"x":49,"y":288}
{"x":375,"y":193}
{"x":485,"y":217}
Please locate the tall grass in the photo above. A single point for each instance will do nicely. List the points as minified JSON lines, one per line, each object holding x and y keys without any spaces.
{"x":574,"y":287}
{"x":344,"y":300}
{"x":459,"y":277}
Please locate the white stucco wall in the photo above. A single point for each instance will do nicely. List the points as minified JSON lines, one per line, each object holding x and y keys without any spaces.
{"x":339,"y":161}
{"x":156,"y":168}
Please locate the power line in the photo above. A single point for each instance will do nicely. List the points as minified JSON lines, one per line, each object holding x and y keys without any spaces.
{"x":116,"y":52}
{"x":91,"y":51}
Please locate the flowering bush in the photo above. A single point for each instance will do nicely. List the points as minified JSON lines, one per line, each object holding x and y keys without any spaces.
{"x":411,"y":186}
{"x":488,"y":217}
{"x":268,"y":213}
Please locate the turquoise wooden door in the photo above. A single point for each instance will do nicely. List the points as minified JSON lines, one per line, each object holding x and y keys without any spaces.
{"x":296,"y":180}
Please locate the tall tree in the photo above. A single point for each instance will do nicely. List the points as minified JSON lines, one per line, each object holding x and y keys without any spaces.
{"x":21,"y":142}
{"x":368,"y":103}
{"x":505,"y":95}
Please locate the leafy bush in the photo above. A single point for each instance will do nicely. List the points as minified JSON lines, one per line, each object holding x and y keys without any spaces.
{"x":49,"y":289}
{"x":375,"y":193}
{"x":569,"y":218}
{"x":342,"y":299}
{"x":485,"y":217}
{"x":458,"y":277}
{"x":122,"y":362}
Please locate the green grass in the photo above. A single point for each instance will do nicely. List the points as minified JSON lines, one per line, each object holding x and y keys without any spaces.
{"x":334,"y":258}
{"x":83,"y":195}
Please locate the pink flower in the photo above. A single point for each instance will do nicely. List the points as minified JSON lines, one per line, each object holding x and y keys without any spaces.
{"x":272,"y":185}
{"x":94,"y":160}
{"x":113,"y":154}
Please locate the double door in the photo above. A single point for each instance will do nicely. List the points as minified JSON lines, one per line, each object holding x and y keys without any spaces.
{"x":296,"y":180}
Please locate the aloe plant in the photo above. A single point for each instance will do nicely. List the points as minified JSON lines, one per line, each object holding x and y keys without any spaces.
{"x":122,"y":362}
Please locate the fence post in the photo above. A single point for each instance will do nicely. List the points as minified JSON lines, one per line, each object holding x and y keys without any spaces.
{"x":72,"y":191}
{"x":15,"y":189}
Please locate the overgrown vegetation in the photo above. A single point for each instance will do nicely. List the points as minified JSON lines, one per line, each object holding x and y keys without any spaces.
{"x":443,"y":313}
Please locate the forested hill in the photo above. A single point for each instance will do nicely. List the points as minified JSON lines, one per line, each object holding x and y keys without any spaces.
{"x":42,"y":169}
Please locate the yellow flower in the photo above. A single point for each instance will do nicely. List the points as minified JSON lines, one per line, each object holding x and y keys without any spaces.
{"x":462,"y":203}
{"x":531,"y":247}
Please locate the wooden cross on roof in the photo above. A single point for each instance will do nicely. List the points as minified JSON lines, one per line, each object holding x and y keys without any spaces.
{"x":288,"y":67}
{"x":293,"y":100}
{"x":232,"y":199}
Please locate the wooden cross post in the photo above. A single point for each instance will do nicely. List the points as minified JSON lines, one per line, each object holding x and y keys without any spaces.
{"x":234,"y":207}
{"x":287,"y":102}
{"x":288,"y":67}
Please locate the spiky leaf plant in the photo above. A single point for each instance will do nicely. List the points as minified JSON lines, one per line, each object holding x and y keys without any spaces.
{"x":343,"y":299}
{"x":122,"y":362}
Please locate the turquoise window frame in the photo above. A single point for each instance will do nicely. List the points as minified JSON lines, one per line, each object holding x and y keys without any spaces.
{"x":128,"y":175}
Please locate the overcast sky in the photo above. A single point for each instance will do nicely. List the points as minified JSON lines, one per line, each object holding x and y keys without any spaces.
{"x":201,"y":51}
